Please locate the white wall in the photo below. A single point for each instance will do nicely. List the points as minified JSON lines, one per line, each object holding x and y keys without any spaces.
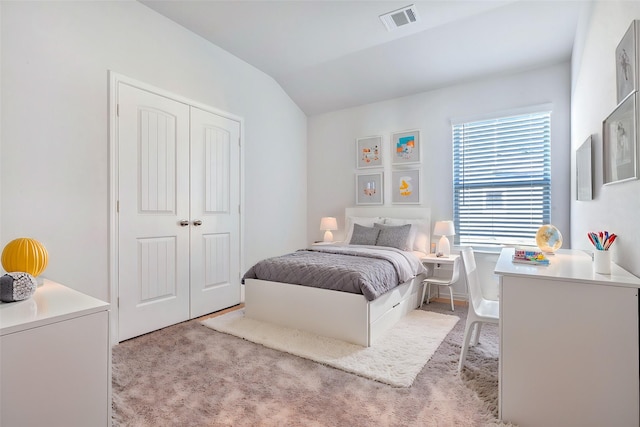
{"x":0,"y":123}
{"x":54,"y":159}
{"x":332,"y":141}
{"x":614,"y":207}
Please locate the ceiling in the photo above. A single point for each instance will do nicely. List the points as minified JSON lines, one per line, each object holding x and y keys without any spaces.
{"x":328,"y":55}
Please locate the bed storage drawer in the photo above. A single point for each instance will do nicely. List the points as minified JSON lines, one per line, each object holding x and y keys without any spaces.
{"x":381,"y":306}
{"x":385,"y":319}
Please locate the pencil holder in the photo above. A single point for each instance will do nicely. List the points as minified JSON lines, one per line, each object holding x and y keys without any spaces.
{"x":602,"y":262}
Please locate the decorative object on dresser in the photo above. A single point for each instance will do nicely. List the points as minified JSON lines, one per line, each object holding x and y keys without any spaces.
{"x":406,"y":186}
{"x":17,"y":286}
{"x":369,"y":189}
{"x":405,"y":147}
{"x":627,"y":62}
{"x":444,"y":229}
{"x":619,"y":142}
{"x":369,"y":152}
{"x":328,"y":224}
{"x":25,"y":255}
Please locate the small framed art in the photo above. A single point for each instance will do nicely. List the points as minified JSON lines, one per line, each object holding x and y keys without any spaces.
{"x":627,"y":62}
{"x":584,"y":168}
{"x":405,"y":147}
{"x":369,"y":152}
{"x":619,"y":144}
{"x":369,"y":188}
{"x":405,"y":186}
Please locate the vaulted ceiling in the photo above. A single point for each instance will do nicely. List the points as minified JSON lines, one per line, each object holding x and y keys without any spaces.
{"x":328,"y":55}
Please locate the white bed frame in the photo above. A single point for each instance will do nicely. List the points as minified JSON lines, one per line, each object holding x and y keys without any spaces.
{"x":341,"y":315}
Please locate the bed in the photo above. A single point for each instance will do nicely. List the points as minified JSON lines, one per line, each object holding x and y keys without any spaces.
{"x":342,"y":315}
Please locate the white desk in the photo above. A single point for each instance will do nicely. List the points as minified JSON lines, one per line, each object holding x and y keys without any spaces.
{"x":55,"y":360}
{"x":568,"y":343}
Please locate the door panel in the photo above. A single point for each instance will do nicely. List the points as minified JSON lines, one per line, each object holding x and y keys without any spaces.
{"x":153,"y":197}
{"x":215,"y":202}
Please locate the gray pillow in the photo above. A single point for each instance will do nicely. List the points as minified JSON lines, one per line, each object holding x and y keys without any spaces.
{"x":364,"y":235}
{"x":393,"y":236}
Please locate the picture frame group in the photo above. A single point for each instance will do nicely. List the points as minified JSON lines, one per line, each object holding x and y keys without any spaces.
{"x":620,"y":136}
{"x":404,"y":156}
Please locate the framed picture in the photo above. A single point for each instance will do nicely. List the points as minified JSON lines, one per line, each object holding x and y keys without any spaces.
{"x":584,"y":169}
{"x":627,"y":62}
{"x":405,"y":147}
{"x":405,"y":186}
{"x":369,"y":189}
{"x":369,"y":152}
{"x":619,"y":145}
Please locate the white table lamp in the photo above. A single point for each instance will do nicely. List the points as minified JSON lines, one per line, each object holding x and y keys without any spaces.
{"x":328,"y":224}
{"x":444,"y":229}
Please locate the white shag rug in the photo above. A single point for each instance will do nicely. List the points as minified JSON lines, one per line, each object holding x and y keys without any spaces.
{"x":396,"y":359}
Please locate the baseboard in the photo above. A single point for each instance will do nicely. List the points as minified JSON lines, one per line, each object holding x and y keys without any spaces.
{"x":448,"y":301}
{"x":221,"y":312}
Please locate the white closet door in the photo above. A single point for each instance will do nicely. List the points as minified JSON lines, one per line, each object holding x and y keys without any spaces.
{"x":153,"y":196}
{"x":215,"y":217}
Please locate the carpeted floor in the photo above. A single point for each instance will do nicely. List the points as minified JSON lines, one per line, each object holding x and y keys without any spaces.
{"x":190,"y":375}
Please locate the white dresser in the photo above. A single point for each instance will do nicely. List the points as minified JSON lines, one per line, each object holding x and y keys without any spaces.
{"x":55,"y":360}
{"x":568,"y":343}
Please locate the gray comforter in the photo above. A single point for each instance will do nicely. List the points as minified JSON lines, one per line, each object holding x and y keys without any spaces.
{"x":367,"y":270}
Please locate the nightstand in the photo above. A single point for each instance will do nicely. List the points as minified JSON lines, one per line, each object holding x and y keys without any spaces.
{"x":441,"y":271}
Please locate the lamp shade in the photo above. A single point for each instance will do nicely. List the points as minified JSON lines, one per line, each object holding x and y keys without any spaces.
{"x":328,"y":223}
{"x":444,"y":228}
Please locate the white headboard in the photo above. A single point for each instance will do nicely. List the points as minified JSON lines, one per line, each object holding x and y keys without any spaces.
{"x":402,"y":212}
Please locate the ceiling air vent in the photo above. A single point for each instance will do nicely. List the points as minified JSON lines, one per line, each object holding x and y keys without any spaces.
{"x":401,"y":17}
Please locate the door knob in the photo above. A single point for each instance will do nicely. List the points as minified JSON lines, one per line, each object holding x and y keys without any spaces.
{"x":197,"y":223}
{"x":183,"y":223}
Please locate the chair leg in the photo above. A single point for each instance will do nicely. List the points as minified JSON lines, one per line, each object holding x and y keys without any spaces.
{"x":468,"y":330}
{"x":476,"y":338}
{"x":424,"y":291}
{"x":428,"y":292}
{"x":451,"y":297}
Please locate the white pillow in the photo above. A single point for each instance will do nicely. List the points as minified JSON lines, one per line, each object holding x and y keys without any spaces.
{"x":364,"y":221}
{"x":419,"y":235}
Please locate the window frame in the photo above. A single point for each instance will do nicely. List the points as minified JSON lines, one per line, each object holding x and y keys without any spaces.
{"x":474,"y":180}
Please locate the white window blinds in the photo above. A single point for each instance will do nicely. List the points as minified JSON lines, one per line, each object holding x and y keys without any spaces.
{"x":502,"y":179}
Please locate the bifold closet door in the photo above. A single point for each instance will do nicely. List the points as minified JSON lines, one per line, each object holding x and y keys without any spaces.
{"x":153,"y":211}
{"x":178,"y":212}
{"x":215,"y":204}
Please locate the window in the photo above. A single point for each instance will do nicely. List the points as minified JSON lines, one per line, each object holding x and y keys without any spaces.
{"x":502,"y":179}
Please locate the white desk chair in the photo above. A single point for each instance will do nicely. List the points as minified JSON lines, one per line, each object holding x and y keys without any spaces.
{"x":481,"y":310}
{"x":448,"y":282}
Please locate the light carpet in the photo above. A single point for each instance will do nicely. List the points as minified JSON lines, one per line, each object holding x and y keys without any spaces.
{"x":396,"y":359}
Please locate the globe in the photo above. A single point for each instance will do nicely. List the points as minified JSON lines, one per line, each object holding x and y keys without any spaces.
{"x":548,"y":238}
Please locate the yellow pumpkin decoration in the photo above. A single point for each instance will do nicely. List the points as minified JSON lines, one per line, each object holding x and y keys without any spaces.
{"x":26,"y":255}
